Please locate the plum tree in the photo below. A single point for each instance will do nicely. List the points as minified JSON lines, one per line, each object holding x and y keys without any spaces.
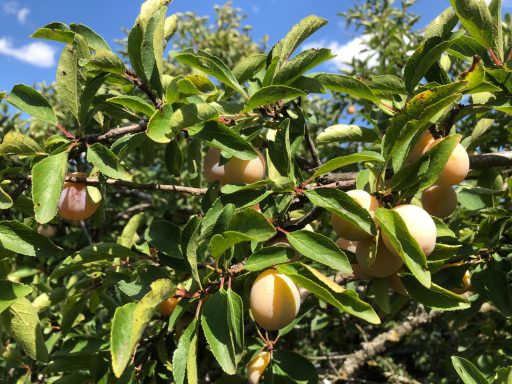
{"x":257,"y":366}
{"x":275,"y":300}
{"x":348,"y":230}
{"x":211,"y":168}
{"x":384,"y":263}
{"x":245,"y":171}
{"x":439,"y":200}
{"x":167,"y":306}
{"x":419,"y":224}
{"x":75,"y":202}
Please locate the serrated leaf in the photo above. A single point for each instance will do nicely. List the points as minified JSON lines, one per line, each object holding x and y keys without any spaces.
{"x":235,"y":322}
{"x":134,"y":103}
{"x":342,"y":161}
{"x":467,"y":371}
{"x":267,"y":257}
{"x":180,"y":355}
{"x":296,"y":369}
{"x":342,"y":133}
{"x":392,"y":225}
{"x":32,"y":102}
{"x":300,"y":64}
{"x":107,"y":162}
{"x":319,"y":248}
{"x":131,"y":320}
{"x":190,"y":115}
{"x":272,"y":94}
{"x":159,"y":129}
{"x":171,"y":26}
{"x":56,"y":32}
{"x":95,"y":41}
{"x":10,"y":292}
{"x":19,"y":238}
{"x":22,"y":323}
{"x":16,"y":143}
{"x":435,"y":297}
{"x":248,"y":67}
{"x":105,"y":61}
{"x":348,"y":85}
{"x":47,"y":180}
{"x":152,"y":50}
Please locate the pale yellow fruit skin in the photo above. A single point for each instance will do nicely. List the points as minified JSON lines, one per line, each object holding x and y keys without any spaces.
{"x":275,"y":300}
{"x":347,"y":245}
{"x":348,"y":230}
{"x":245,"y":171}
{"x":257,"y":366}
{"x":439,"y":200}
{"x":456,"y":168}
{"x":420,"y":225}
{"x":385,"y":263}
{"x":211,"y":168}
{"x":421,"y":146}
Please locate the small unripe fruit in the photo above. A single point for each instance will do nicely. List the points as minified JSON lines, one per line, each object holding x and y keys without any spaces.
{"x":257,"y":366}
{"x":456,"y":168}
{"x":384,"y":264}
{"x":421,"y":146}
{"x":167,"y":307}
{"x":245,"y":171}
{"x":420,"y":225}
{"x":212,"y":170}
{"x":275,"y":300}
{"x":351,"y":109}
{"x":348,"y":230}
{"x":439,"y":200}
{"x":347,"y":245}
{"x":75,"y":202}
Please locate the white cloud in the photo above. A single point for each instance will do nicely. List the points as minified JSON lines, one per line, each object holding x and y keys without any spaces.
{"x":345,"y":52}
{"x":38,"y":53}
{"x":14,"y":8}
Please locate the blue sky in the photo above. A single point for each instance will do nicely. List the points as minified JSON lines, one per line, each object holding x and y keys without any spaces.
{"x":26,"y":60}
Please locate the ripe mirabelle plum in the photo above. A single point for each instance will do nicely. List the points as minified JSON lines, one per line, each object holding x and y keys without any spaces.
{"x":212,"y":170}
{"x":275,"y":300}
{"x":347,"y":245}
{"x":75,"y":202}
{"x":348,"y":230}
{"x":351,"y":109}
{"x":257,"y":366}
{"x":439,"y":200}
{"x":456,"y":168}
{"x":421,"y":146}
{"x":245,"y":171}
{"x":167,"y":306}
{"x":385,"y":263}
{"x":420,"y":225}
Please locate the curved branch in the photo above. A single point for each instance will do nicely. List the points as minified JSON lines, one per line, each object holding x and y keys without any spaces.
{"x":115,"y":132}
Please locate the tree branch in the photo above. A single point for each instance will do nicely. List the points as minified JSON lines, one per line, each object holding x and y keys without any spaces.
{"x":488,"y":160}
{"x":115,"y":132}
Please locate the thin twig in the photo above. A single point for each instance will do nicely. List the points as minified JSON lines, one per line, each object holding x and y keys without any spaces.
{"x":311,"y":147}
{"x":115,"y":132}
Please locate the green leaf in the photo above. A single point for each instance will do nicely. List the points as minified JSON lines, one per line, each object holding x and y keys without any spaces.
{"x":435,"y":297}
{"x":19,"y":238}
{"x":47,"y":180}
{"x":152,"y":48}
{"x":299,"y":32}
{"x":497,"y":30}
{"x":10,"y":292}
{"x":32,"y":102}
{"x":159,"y":129}
{"x":467,"y":371}
{"x":16,"y":143}
{"x":402,"y":241}
{"x":248,"y":67}
{"x":173,"y":158}
{"x":105,"y":61}
{"x":180,"y":355}
{"x":348,"y":85}
{"x":56,"y":32}
{"x":226,"y":139}
{"x":166,"y":237}
{"x":87,"y":97}
{"x":190,"y":115}
{"x":220,"y":338}
{"x":107,"y":162}
{"x":342,"y":161}
{"x":341,"y":204}
{"x":300,"y":64}
{"x":272,"y":94}
{"x":319,"y":248}
{"x":327,"y":290}
{"x":495,"y":285}
{"x":129,"y":235}
{"x":195,"y":85}
{"x":22,"y":323}
{"x":209,"y":64}
{"x":343,"y":133}
{"x":267,"y":257}
{"x":131,"y":319}
{"x":171,"y":26}
{"x":95,"y":41}
{"x":295,"y":368}
{"x":192,"y":245}
{"x":134,"y":103}
{"x":5,"y":200}
{"x":69,"y":79}
{"x":235,"y":322}
{"x":477,"y":20}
